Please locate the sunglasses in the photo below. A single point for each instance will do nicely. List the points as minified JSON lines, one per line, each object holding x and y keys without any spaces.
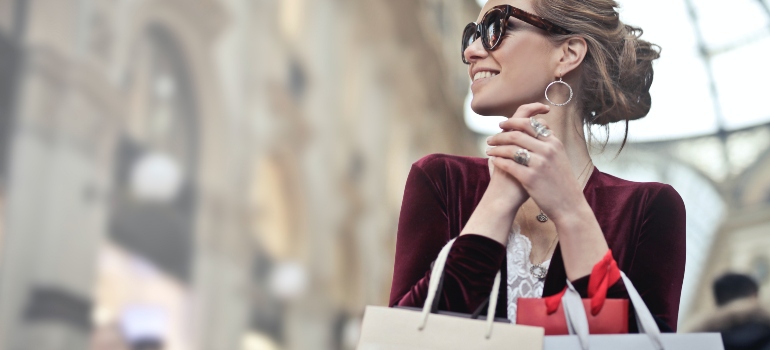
{"x":492,"y":27}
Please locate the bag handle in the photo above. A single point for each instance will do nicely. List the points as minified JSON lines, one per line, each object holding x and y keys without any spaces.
{"x":577,"y":323}
{"x":433,"y":284}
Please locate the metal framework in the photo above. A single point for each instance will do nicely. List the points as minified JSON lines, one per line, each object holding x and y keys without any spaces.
{"x":708,"y":53}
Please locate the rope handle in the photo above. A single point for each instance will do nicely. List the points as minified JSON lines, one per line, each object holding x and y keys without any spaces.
{"x":433,"y":287}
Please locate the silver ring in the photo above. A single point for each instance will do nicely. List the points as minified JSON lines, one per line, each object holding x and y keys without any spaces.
{"x":544,"y":132}
{"x":540,"y":129}
{"x":522,"y":157}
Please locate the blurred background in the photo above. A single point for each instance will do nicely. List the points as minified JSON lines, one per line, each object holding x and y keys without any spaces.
{"x":227,"y":174}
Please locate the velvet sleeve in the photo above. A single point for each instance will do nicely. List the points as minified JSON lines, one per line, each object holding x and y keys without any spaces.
{"x":657,"y":270}
{"x":423,"y":229}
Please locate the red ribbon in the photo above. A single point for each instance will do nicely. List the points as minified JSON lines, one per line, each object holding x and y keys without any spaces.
{"x":604,"y":274}
{"x":552,"y":302}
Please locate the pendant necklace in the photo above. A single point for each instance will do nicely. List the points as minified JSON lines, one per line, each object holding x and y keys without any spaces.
{"x":538,"y":270}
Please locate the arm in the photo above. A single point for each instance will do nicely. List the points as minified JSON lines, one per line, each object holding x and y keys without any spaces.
{"x":423,"y":229}
{"x":550,"y":177}
{"x":657,"y":270}
{"x":658,"y":267}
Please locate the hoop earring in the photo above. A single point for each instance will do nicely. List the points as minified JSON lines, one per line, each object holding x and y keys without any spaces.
{"x":559,"y":82}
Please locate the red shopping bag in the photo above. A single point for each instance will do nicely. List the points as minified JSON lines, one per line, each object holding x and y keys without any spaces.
{"x":605,"y":316}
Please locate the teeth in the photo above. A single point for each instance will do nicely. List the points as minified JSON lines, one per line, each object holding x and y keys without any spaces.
{"x":483,"y":74}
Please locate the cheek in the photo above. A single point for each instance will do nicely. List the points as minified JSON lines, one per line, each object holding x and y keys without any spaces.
{"x":521,"y":84}
{"x":524,"y":71}
{"x":524,"y":74}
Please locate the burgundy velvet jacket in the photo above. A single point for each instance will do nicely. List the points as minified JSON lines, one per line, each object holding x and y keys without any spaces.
{"x":644,"y":224}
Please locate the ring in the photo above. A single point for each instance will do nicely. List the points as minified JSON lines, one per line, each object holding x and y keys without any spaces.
{"x":540,"y":129}
{"x":522,"y":157}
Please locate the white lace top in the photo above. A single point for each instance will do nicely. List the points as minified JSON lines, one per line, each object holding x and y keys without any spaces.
{"x":521,"y":283}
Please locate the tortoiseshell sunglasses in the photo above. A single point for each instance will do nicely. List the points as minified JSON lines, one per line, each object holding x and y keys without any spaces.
{"x":492,"y":27}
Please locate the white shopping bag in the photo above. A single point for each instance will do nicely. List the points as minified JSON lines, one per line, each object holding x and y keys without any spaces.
{"x":389,"y":328}
{"x":649,"y":337}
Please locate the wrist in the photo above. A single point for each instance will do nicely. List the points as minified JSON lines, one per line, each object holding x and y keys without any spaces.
{"x":579,"y":218}
{"x":504,"y":198}
{"x":492,"y":218}
{"x":506,"y":189}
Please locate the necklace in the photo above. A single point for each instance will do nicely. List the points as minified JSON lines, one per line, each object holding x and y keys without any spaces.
{"x":542,"y":217}
{"x":538,"y":270}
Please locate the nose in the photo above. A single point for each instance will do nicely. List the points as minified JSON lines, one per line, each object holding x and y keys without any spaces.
{"x":475,"y":51}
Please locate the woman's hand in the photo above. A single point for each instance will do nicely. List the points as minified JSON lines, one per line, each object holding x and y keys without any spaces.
{"x":502,"y":183}
{"x":504,"y":195}
{"x":548,"y":178}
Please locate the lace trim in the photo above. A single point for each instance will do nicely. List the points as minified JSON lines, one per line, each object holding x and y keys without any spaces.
{"x":521,"y":283}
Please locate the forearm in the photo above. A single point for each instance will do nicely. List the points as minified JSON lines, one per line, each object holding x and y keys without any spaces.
{"x":581,"y":239}
{"x":493,"y":216}
{"x":468,"y":276}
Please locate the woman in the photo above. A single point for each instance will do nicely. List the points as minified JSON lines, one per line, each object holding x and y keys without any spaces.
{"x":545,"y":214}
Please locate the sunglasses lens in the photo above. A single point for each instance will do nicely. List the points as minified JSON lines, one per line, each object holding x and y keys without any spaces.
{"x":493,"y":27}
{"x":469,"y":36}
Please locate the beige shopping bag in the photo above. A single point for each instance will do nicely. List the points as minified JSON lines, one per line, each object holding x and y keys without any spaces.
{"x":389,"y":328}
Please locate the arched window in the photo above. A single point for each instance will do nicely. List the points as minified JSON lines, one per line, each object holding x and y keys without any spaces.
{"x":156,"y":160}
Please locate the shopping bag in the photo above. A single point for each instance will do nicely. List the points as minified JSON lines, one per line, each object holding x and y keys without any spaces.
{"x":648,"y":338}
{"x":605,"y":316}
{"x":386,"y":328}
{"x":613,"y":319}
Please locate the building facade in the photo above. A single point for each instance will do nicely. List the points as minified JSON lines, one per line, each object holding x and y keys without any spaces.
{"x":184,"y":156}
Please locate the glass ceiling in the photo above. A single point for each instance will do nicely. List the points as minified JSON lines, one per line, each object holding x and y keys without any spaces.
{"x":703,"y":41}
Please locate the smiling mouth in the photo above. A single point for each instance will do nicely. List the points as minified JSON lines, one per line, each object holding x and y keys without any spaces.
{"x":483,"y":75}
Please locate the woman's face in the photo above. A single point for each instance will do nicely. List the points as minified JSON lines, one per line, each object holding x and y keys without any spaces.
{"x":523,"y":63}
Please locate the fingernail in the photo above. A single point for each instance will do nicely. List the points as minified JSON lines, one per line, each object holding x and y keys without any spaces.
{"x":489,"y":138}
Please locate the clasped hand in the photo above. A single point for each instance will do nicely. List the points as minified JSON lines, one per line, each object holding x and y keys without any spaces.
{"x":548,"y":176}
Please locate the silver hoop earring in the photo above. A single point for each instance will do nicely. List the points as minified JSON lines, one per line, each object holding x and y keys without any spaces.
{"x":560,"y":82}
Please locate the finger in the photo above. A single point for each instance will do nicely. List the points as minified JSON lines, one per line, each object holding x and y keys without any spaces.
{"x":549,"y":151}
{"x":531,"y":109}
{"x":491,"y":166}
{"x":540,"y":127}
{"x":516,"y":138}
{"x":519,"y":172}
{"x":526,"y":111}
{"x":509,"y":152}
{"x":521,"y":124}
{"x":525,"y":174}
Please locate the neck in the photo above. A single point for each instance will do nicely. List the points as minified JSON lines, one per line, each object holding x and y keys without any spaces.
{"x":568,"y":127}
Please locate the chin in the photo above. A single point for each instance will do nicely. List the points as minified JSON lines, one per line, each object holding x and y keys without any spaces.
{"x":490,"y":109}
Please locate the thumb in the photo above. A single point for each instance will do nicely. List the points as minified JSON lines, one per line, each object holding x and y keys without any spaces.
{"x":489,"y":162}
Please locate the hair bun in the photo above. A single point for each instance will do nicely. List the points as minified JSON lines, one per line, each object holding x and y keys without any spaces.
{"x":617,"y":69}
{"x":632,"y":74}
